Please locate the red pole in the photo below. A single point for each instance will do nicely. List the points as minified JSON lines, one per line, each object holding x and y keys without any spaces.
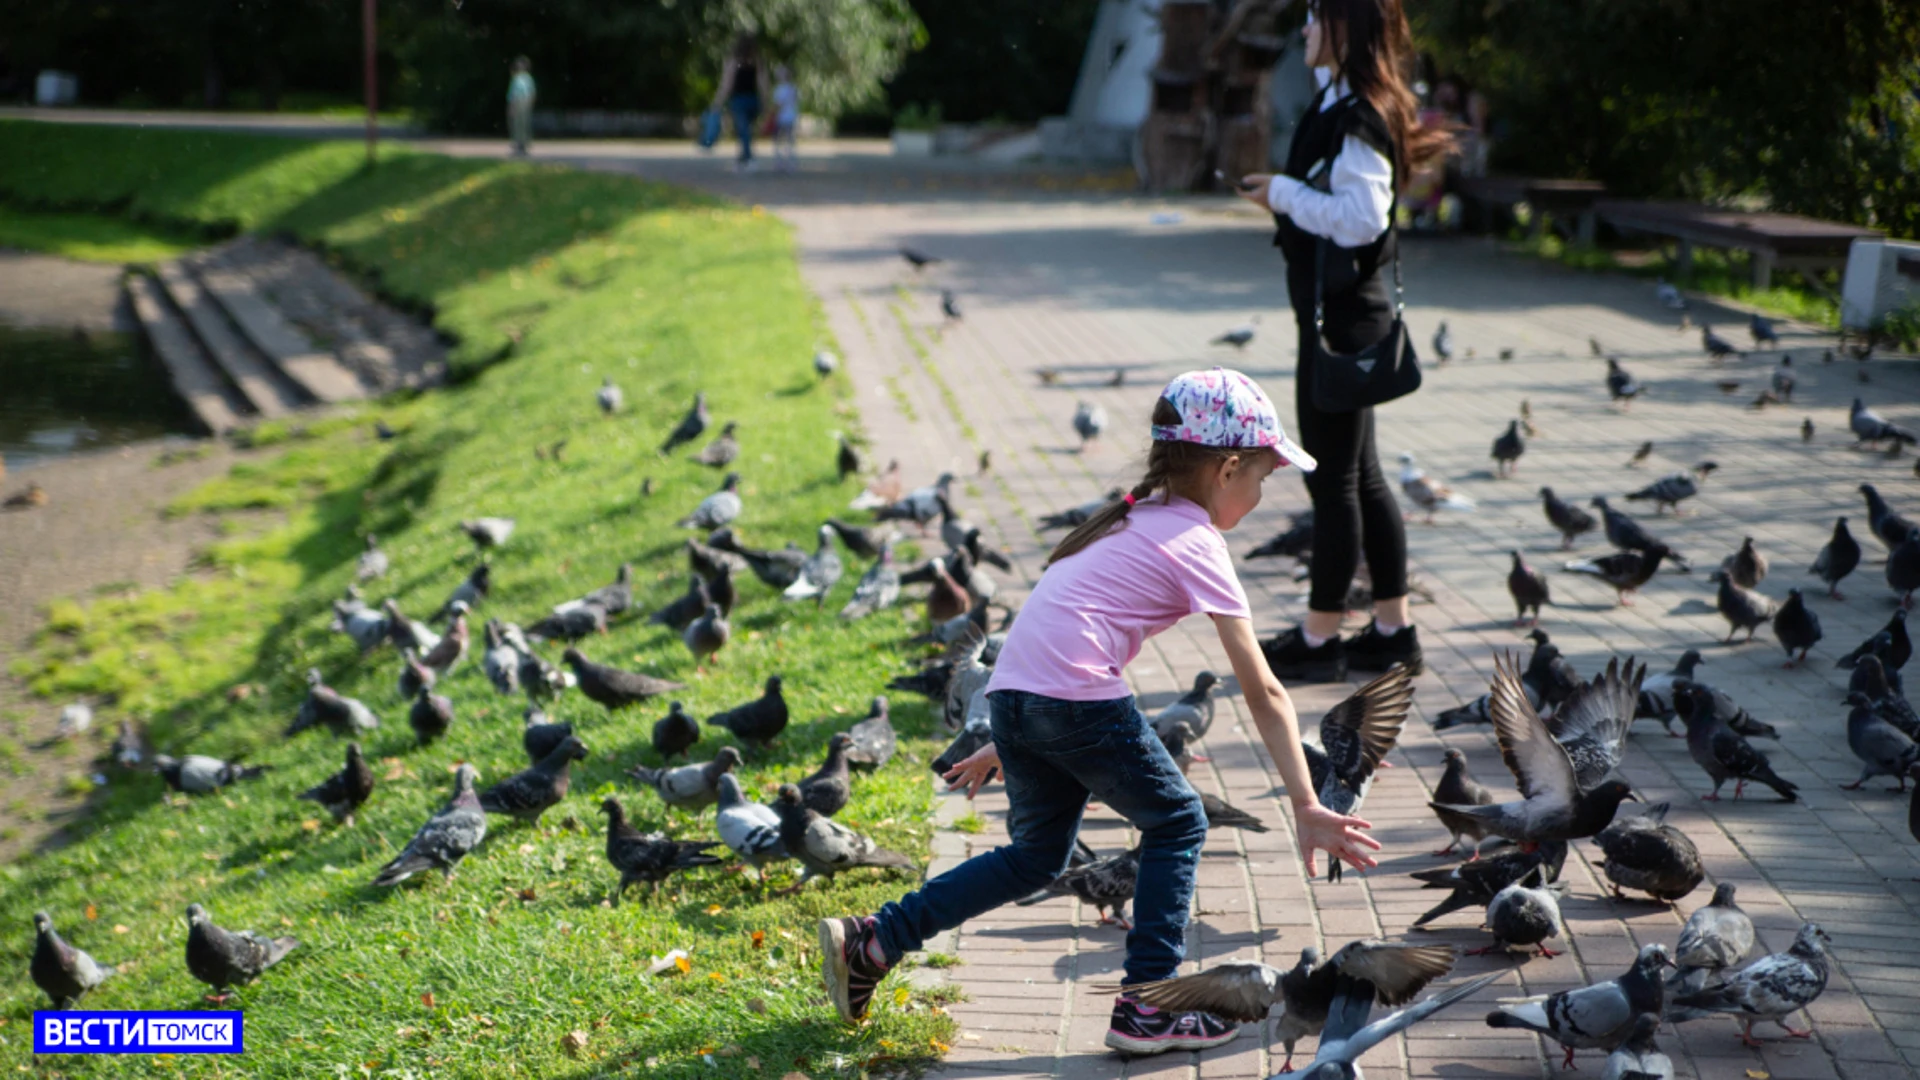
{"x":372,"y":76}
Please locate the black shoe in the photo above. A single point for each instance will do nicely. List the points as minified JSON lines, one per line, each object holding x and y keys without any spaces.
{"x":1370,"y":650}
{"x":1143,"y":1029}
{"x":1292,"y":660}
{"x":849,"y":972}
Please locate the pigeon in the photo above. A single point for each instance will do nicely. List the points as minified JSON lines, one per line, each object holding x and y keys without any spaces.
{"x":689,"y":787}
{"x":1443,"y":342}
{"x":877,"y":589}
{"x":538,"y":677}
{"x":1570,"y":520}
{"x":453,"y":831}
{"x":825,"y":363}
{"x":1224,"y":815}
{"x":978,"y":552}
{"x":541,"y":736}
{"x":571,"y":621}
{"x":615,"y":597}
{"x":1525,"y":913}
{"x":1457,"y":787}
{"x":1762,"y":330}
{"x":1722,"y":752}
{"x":947,"y":599}
{"x":1669,"y":296}
{"x":1837,"y":559}
{"x":531,"y":792}
{"x":1240,"y":336}
{"x":1089,"y":420}
{"x":1806,"y":430}
{"x":819,"y":573}
{"x":975,"y":734}
{"x":1529,"y":590}
{"x":1548,"y":677}
{"x":1638,"y":1056}
{"x":750,"y":830}
{"x":1717,"y":347}
{"x":1563,"y":773}
{"x":1294,"y":543}
{"x":74,"y":721}
{"x":129,"y":748}
{"x":1747,"y":566}
{"x":872,"y":740}
{"x":846,"y":460}
{"x":1428,"y":495}
{"x":932,"y":681}
{"x":373,"y":561}
{"x":1717,"y":936}
{"x":1671,"y":489}
{"x":63,"y":972}
{"x":1883,"y":749}
{"x":1903,"y":568}
{"x":883,"y":491}
{"x":611,"y":687}
{"x":1475,"y":883}
{"x":759,"y":721}
{"x":324,"y":705}
{"x":675,"y":733}
{"x":1657,"y":691}
{"x":366,"y":626}
{"x":651,"y":858}
{"x":918,"y":259}
{"x":222,"y":958}
{"x":1626,"y":571}
{"x":500,"y":661}
{"x":717,"y":509}
{"x":723,"y":449}
{"x":1628,"y":535}
{"x":1319,"y":998}
{"x":862,"y":543}
{"x":684,"y":608}
{"x":488,"y":532}
{"x":1355,"y":736}
{"x":1888,"y":527}
{"x":1195,"y":707}
{"x":1796,"y":627}
{"x":691,"y":426}
{"x":1783,"y":381}
{"x":1743,"y":609}
{"x":1640,"y":454}
{"x":1176,"y":740}
{"x":471,"y":590}
{"x":1870,"y":427}
{"x":826,"y":792}
{"x":920,"y":506}
{"x":1621,"y":385}
{"x":1077,"y":516}
{"x":710,"y":562}
{"x":405,"y":633}
{"x":824,"y":846}
{"x":609,"y":396}
{"x":197,"y":774}
{"x":1106,"y":885}
{"x":343,"y":792}
{"x":1870,"y":680}
{"x":447,"y":653}
{"x":1592,"y":1017}
{"x":1773,"y":987}
{"x":707,"y":635}
{"x":1891,"y":645}
{"x":1507,"y":449}
{"x":430,"y":715}
{"x":950,"y":305}
{"x":1644,"y":852}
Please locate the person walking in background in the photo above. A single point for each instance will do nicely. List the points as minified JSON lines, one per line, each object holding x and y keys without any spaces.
{"x":743,"y":85}
{"x":520,"y":95}
{"x":786,"y":117}
{"x":1359,"y":140}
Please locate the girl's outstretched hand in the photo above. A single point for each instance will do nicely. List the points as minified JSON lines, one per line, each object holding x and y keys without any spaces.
{"x":1320,"y":829}
{"x":976,"y":770}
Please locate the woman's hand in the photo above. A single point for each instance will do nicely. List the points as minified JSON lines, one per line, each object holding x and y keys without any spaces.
{"x":976,"y":770}
{"x":1254,"y":187}
{"x":1320,"y":829}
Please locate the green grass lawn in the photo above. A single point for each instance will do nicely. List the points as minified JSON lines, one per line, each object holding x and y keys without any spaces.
{"x":548,"y":280}
{"x":91,"y":237}
{"x":1715,"y":272}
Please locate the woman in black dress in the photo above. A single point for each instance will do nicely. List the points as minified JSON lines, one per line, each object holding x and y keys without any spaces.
{"x":1358,"y":141}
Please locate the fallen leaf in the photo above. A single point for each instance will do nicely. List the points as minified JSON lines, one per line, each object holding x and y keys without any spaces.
{"x":573,"y":1042}
{"x":284,"y":921}
{"x":759,"y":938}
{"x":714,"y":909}
{"x":900,"y":995}
{"x":716,"y":976}
{"x":311,"y":824}
{"x":427,"y":999}
{"x":729,"y":1050}
{"x":526,"y":849}
{"x":528,"y":894}
{"x":939,"y":1047}
{"x":120,"y":929}
{"x":682,"y":963}
{"x":753,"y":1063}
{"x":92,"y":913}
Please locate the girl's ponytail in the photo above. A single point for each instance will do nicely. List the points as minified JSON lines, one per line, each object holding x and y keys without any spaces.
{"x":1168,"y":463}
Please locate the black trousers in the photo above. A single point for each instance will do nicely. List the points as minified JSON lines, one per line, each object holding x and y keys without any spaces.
{"x":1354,"y":511}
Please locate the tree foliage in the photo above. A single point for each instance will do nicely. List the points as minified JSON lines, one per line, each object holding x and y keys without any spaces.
{"x":996,"y":59}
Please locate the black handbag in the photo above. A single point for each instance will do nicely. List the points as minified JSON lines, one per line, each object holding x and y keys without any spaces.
{"x":1379,"y":373}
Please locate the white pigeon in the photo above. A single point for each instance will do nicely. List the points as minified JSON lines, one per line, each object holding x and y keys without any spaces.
{"x":749,"y":828}
{"x":1429,"y":495}
{"x":825,"y":363}
{"x":75,"y":719}
{"x":1089,"y":420}
{"x":610,"y":397}
{"x":1669,"y":296}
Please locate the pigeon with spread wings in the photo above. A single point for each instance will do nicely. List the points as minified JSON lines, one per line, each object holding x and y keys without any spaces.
{"x":1354,"y":737}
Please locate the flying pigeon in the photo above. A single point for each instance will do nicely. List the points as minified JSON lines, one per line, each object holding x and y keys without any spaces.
{"x":1743,"y":609}
{"x":344,"y":791}
{"x":1443,"y":342}
{"x":611,"y":687}
{"x":1570,"y":520}
{"x":826,"y":792}
{"x":1428,"y":495}
{"x":326,"y":706}
{"x":609,"y":396}
{"x":675,"y":733}
{"x":705,"y":636}
{"x":1355,"y":736}
{"x":1089,"y":420}
{"x":62,"y":971}
{"x":1626,"y":571}
{"x":1592,"y":1017}
{"x":373,"y":562}
{"x":1525,"y":913}
{"x":1644,"y":852}
{"x":717,"y":509}
{"x":651,"y":858}
{"x":1796,"y":627}
{"x":689,"y":787}
{"x":1717,"y":936}
{"x":1837,"y":559}
{"x":1671,"y":489}
{"x":1475,"y":883}
{"x":691,"y":426}
{"x":540,"y":735}
{"x":759,"y":721}
{"x":488,"y":532}
{"x":1457,"y":787}
{"x":1105,"y":884}
{"x":824,"y":846}
{"x":1240,"y":336}
{"x":1529,"y":590}
{"x":222,"y":958}
{"x":819,"y":573}
{"x":1621,"y":385}
{"x":1722,"y":752}
{"x":873,"y":739}
{"x":453,"y":831}
{"x":1717,"y":347}
{"x":877,"y":589}
{"x":1772,"y":988}
{"x":1882,"y":748}
{"x":749,"y":829}
{"x":1078,"y":515}
{"x":723,"y":449}
{"x":196,"y":774}
{"x":1870,"y":427}
{"x":531,"y":792}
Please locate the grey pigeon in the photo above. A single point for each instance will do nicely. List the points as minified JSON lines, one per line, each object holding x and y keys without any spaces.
{"x":609,"y":396}
{"x":1222,"y":814}
{"x":1176,"y":740}
{"x":1888,"y":526}
{"x":691,"y":426}
{"x":1903,"y":568}
{"x":453,"y":831}
{"x":1640,"y":454}
{"x":1657,"y":691}
{"x":1355,"y":736}
{"x":675,"y":733}
{"x":1348,"y":1034}
{"x":1457,"y":787}
{"x":717,"y":509}
{"x":344,"y":791}
{"x":1783,"y":381}
{"x":1796,"y":627}
{"x":846,"y":460}
{"x":1638,"y":1057}
{"x":1529,"y":590}
{"x":862,"y":542}
{"x":873,"y":739}
{"x":615,"y":597}
{"x":1870,"y":427}
{"x":62,"y":971}
{"x":1747,"y":566}
{"x":1525,"y":914}
{"x":1629,"y":535}
{"x":966,"y":686}
{"x":1507,"y":449}
{"x":950,"y":305}
{"x":1626,"y":571}
{"x":499,"y":660}
{"x":1474,"y":884}
{"x":1078,"y":515}
{"x":1883,"y":749}
{"x":367,"y":626}
{"x":488,"y":532}
{"x":611,"y":687}
{"x":823,"y":846}
{"x":1773,"y":987}
{"x":884,"y":490}
{"x":689,"y":787}
{"x":686,"y":607}
{"x":450,"y":650}
{"x":326,"y":706}
{"x":1726,"y":710}
{"x":819,"y":573}
{"x":777,"y":569}
{"x":1722,"y":752}
{"x":1717,"y":936}
{"x":1621,"y":385}
{"x":1195,"y":707}
{"x":651,"y":858}
{"x":710,"y":562}
{"x":824,"y":363}
{"x":1743,"y":609}
{"x":749,"y":829}
{"x":826,"y":792}
{"x":1105,"y":884}
{"x":540,"y":735}
{"x":759,"y":721}
{"x":1837,"y":559}
{"x":373,"y":562}
{"x":918,"y":259}
{"x":1869,"y":680}
{"x":1762,"y":330}
{"x":1891,"y":645}
{"x":707,"y":634}
{"x":1443,"y":342}
{"x":430,"y":716}
{"x":1670,"y":490}
{"x":471,"y":590}
{"x":1592,"y":1017}
{"x":197,"y":774}
{"x":1717,"y":347}
{"x":129,"y":747}
{"x":920,"y":506}
{"x":976,"y":733}
{"x":1549,"y":677}
{"x":531,"y":792}
{"x":1240,"y":336}
{"x":570,"y":621}
{"x":723,"y":449}
{"x":222,"y":958}
{"x":1089,"y":420}
{"x":406,"y":633}
{"x":1644,"y":852}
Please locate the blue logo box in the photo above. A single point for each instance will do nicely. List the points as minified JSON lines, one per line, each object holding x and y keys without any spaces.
{"x":142,"y":1032}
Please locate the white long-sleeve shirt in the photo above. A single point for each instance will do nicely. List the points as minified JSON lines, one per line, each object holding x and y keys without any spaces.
{"x":1353,"y":211}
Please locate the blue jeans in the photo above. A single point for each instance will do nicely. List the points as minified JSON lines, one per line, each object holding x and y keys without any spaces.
{"x":1055,"y":754}
{"x":745,"y":109}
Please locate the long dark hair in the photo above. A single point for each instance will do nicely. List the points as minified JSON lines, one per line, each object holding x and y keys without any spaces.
{"x":1375,"y":47}
{"x":1168,"y":464}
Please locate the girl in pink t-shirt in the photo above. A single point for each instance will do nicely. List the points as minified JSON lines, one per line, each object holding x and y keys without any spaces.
{"x":1066,"y":728}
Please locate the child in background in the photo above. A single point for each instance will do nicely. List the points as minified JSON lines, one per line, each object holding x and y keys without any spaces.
{"x":1066,"y":728}
{"x":520,"y":106}
{"x":786,"y":117}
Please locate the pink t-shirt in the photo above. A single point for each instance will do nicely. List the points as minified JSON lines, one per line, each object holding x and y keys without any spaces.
{"x":1085,"y":621}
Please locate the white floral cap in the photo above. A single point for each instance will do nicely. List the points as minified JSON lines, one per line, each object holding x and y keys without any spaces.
{"x":1222,"y":407}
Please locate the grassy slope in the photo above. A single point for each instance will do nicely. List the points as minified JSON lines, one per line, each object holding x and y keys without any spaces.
{"x":87,"y":236}
{"x":577,"y":275}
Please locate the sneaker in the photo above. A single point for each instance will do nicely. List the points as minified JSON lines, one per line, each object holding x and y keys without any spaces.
{"x":1292,"y":660}
{"x":1371,"y":650}
{"x":850,"y":973}
{"x":1143,"y":1029}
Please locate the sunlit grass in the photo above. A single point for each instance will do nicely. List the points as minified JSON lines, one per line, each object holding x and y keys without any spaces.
{"x":91,"y":237}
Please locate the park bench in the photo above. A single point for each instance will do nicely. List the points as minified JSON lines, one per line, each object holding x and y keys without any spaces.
{"x":1490,"y":198}
{"x":1773,"y":240}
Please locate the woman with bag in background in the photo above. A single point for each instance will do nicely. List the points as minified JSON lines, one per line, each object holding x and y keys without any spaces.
{"x":1334,"y":206}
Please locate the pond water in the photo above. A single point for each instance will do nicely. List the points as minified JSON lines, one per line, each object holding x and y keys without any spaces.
{"x":66,"y":391}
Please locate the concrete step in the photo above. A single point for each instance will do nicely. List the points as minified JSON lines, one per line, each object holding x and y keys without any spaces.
{"x":218,"y":406}
{"x":316,"y":371}
{"x":270,"y":392}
